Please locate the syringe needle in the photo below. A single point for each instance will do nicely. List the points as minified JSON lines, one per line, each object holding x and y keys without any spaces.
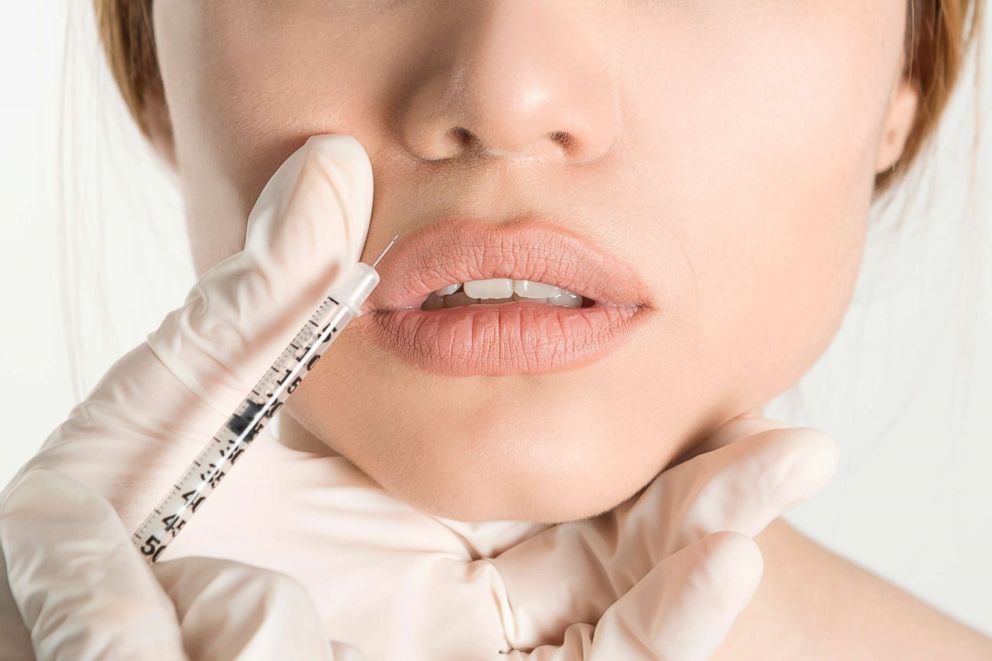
{"x":384,"y":251}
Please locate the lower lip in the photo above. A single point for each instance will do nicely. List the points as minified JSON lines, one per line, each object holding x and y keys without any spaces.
{"x":502,"y":339}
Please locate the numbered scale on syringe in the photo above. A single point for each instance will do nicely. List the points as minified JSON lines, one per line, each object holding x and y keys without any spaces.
{"x":251,"y":416}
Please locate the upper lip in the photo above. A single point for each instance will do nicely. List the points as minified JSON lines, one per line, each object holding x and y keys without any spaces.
{"x":461,"y":249}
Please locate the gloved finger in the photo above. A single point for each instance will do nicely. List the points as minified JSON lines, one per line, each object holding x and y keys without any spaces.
{"x":684,"y":607}
{"x":78,"y":584}
{"x":740,"y":487}
{"x":158,"y":404}
{"x":733,"y":430}
{"x":682,"y":610}
{"x":307,"y":227}
{"x":744,"y":485}
{"x":229,"y":610}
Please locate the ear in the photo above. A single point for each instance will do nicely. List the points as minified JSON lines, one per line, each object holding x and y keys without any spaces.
{"x":155,"y":115}
{"x":900,"y":117}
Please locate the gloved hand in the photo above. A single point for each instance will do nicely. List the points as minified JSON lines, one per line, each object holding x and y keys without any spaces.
{"x":156,"y":407}
{"x":664,"y":574}
{"x":112,"y":605}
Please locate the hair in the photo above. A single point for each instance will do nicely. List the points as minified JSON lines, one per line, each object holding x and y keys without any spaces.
{"x":938,"y":36}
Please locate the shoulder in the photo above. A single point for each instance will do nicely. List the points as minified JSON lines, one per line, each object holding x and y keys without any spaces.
{"x":814,"y":604}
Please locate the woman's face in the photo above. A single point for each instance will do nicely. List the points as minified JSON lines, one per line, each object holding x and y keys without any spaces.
{"x":722,"y":151}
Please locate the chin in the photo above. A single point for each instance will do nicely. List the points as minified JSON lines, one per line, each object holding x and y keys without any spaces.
{"x":503,"y":468}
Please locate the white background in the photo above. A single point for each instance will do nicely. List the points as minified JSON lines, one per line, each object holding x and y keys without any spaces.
{"x":92,"y":246}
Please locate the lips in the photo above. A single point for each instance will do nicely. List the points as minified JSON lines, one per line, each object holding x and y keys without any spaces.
{"x":508,"y":338}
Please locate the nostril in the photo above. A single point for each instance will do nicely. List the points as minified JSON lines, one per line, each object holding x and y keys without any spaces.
{"x":565,"y":139}
{"x":462,"y":135}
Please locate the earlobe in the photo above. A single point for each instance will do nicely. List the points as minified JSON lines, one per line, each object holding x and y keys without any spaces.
{"x":899,"y":121}
{"x":158,"y":123}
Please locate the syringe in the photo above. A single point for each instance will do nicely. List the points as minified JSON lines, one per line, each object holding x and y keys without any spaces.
{"x":186,"y":496}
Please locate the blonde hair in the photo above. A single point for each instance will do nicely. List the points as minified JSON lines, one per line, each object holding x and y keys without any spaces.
{"x":938,"y":36}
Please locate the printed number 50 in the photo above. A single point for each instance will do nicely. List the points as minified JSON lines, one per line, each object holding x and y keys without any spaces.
{"x":153,"y":546}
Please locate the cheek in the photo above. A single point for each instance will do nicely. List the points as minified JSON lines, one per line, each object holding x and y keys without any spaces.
{"x":762,"y":147}
{"x":245,"y":88}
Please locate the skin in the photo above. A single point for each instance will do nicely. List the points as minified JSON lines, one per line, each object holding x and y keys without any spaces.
{"x":726,"y":149}
{"x":812,"y":604}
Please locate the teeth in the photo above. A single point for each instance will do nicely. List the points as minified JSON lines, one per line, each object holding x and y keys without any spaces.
{"x":492,"y":288}
{"x":530,"y":289}
{"x":567,"y":299}
{"x":500,"y":290}
{"x":450,"y":289}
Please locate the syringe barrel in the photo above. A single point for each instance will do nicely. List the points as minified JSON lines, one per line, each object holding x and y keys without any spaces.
{"x":219,"y":456}
{"x":356,"y":286}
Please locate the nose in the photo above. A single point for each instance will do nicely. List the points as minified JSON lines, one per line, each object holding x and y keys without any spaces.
{"x":514,"y":79}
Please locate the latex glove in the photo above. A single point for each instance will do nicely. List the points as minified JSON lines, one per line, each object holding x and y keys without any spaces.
{"x":652,"y":572}
{"x":111,"y":605}
{"x":682,"y":610}
{"x":160,"y":403}
{"x":400,"y":584}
